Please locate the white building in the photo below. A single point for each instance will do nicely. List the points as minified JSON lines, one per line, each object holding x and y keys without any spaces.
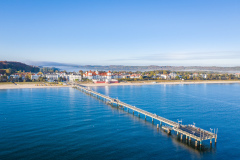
{"x":204,"y":76}
{"x":64,"y":75}
{"x":163,"y":76}
{"x":73,"y":78}
{"x":52,"y":77}
{"x":172,"y":75}
{"x":109,"y":75}
{"x":35,"y":76}
{"x":135,"y":75}
{"x":237,"y":75}
{"x":98,"y":75}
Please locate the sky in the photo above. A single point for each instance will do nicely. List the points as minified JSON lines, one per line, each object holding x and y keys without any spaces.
{"x":121,"y":32}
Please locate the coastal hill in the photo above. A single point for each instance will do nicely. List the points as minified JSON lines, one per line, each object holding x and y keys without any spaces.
{"x":17,"y":66}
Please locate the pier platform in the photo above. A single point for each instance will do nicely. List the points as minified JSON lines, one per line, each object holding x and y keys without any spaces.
{"x":191,"y":132}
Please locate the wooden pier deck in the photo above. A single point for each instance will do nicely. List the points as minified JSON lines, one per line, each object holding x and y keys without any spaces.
{"x":189,"y":131}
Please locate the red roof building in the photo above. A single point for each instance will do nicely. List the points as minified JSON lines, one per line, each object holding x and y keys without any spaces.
{"x":97,"y":75}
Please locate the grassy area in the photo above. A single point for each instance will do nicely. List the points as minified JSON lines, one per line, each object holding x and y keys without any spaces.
{"x":84,"y":82}
{"x":39,"y":83}
{"x":3,"y":83}
{"x":22,"y":83}
{"x":28,"y":82}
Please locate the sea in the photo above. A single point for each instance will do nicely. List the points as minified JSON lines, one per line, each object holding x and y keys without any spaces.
{"x":65,"y":123}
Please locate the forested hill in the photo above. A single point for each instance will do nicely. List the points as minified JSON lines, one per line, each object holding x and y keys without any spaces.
{"x":17,"y":66}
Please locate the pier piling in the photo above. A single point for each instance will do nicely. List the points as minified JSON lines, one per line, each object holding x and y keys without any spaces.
{"x":191,"y":131}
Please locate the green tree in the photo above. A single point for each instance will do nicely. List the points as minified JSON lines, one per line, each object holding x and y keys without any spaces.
{"x":165,"y":72}
{"x":28,"y":77}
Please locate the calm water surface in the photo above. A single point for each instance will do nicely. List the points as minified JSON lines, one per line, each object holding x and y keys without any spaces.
{"x":64,"y":123}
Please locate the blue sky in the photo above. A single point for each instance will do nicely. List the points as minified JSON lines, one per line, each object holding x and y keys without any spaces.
{"x":121,"y":32}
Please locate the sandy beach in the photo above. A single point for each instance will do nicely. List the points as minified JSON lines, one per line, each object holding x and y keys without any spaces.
{"x":20,"y":86}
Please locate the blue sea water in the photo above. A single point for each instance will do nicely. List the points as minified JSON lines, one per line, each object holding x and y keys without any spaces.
{"x":64,"y":123}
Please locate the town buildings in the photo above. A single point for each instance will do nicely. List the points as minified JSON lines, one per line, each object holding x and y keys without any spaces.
{"x":49,"y":77}
{"x":100,"y":77}
{"x":112,"y":77}
{"x":97,"y":75}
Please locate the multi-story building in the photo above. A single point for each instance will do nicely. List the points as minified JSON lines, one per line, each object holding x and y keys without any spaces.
{"x":97,"y":75}
{"x":135,"y":75}
{"x":237,"y":75}
{"x":73,"y":77}
{"x":35,"y":76}
{"x":52,"y":77}
{"x":101,"y":77}
{"x":163,"y":76}
{"x":64,"y":76}
{"x":204,"y":76}
{"x":172,"y":75}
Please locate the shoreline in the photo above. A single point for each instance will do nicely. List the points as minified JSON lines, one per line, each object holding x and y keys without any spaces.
{"x":22,"y":86}
{"x":158,"y":83}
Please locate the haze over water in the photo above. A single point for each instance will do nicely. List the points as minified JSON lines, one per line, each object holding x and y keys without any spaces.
{"x":64,"y":123}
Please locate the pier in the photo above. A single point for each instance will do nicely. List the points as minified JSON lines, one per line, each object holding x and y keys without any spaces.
{"x":191,"y":132}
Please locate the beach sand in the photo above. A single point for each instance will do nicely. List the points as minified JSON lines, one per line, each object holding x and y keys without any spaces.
{"x":19,"y":86}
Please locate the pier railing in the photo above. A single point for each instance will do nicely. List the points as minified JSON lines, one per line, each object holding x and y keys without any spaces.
{"x":190,"y":131}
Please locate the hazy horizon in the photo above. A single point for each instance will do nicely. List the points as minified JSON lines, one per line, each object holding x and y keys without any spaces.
{"x":48,"y":63}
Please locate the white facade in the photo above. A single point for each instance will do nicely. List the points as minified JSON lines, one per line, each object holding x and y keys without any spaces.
{"x":35,"y":77}
{"x":172,"y":75}
{"x":64,"y":75}
{"x":135,"y":76}
{"x":163,"y":76}
{"x":52,"y":77}
{"x":237,"y":75}
{"x":97,"y":75}
{"x":72,"y":78}
{"x":204,"y":76}
{"x":109,"y":75}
